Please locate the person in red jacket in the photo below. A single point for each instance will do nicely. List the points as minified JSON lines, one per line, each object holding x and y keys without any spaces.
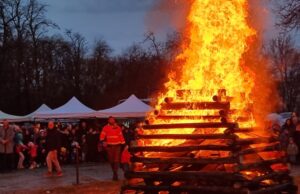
{"x":111,"y":136}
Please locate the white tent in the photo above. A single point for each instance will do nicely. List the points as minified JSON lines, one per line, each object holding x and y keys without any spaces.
{"x":42,"y":108}
{"x":9,"y":117}
{"x":30,"y":117}
{"x":72,"y":109}
{"x":275,"y":118}
{"x":130,"y":108}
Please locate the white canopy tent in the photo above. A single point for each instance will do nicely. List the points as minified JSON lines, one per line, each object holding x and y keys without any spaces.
{"x":42,"y":108}
{"x":130,"y":108}
{"x":72,"y":109}
{"x":9,"y":117}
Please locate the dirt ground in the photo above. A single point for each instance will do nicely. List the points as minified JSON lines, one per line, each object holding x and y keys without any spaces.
{"x":94,"y":178}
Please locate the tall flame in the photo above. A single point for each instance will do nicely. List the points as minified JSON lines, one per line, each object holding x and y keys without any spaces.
{"x":212,"y":59}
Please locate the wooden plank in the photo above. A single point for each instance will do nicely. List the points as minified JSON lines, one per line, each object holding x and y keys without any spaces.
{"x":191,"y":125}
{"x":188,"y":189}
{"x":275,"y":189}
{"x":274,"y":147}
{"x":188,"y":175}
{"x":180,"y":148}
{"x":261,"y":164}
{"x":185,"y":160}
{"x":186,"y":136}
{"x":256,"y":140}
{"x":196,"y":105}
{"x":190,"y":117}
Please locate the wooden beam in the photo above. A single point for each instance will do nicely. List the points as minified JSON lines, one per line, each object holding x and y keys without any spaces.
{"x":181,"y":117}
{"x":196,"y":105}
{"x":185,"y":189}
{"x":260,"y":164}
{"x":275,"y":189}
{"x":185,"y":160}
{"x":180,"y":148}
{"x":272,"y":176}
{"x":256,"y":140}
{"x":187,"y":175}
{"x":187,"y":136}
{"x":190,"y":125}
{"x":274,"y":147}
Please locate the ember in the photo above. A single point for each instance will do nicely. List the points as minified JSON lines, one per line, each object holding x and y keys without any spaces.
{"x":203,"y":135}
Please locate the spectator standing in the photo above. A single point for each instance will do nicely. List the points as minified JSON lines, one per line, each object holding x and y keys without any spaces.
{"x":125,"y":159}
{"x":52,"y":146}
{"x":288,"y":125}
{"x":84,"y":148}
{"x":292,"y":150}
{"x":7,"y":135}
{"x":128,"y":134}
{"x":65,"y":144}
{"x":41,"y":157}
{"x":92,"y":139}
{"x":111,"y":135}
{"x":81,"y":131}
{"x":35,"y":137}
{"x":284,"y":139}
{"x":297,"y":138}
{"x":20,"y":147}
{"x":32,"y":151}
{"x":294,"y":118}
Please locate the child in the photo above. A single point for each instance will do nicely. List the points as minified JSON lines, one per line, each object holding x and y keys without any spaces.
{"x":125,"y":159}
{"x":32,"y":151}
{"x":63,"y":155}
{"x":20,"y":147}
{"x":292,"y":151}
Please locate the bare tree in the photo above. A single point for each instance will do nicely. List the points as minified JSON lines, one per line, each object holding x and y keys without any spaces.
{"x":285,"y":63}
{"x":156,"y":45}
{"x":37,"y":26}
{"x":78,"y":50}
{"x":289,"y":14}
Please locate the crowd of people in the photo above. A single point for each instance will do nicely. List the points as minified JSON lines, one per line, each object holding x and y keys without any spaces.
{"x":289,"y":137}
{"x":55,"y":144}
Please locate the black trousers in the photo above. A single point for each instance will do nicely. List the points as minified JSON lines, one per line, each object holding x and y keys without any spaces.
{"x":7,"y":162}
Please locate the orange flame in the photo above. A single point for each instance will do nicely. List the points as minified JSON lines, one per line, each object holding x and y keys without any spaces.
{"x":212,"y":59}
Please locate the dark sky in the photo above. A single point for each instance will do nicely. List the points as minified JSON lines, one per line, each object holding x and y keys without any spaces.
{"x":119,"y":22}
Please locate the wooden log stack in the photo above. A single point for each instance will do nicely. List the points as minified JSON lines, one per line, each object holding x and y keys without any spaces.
{"x":213,"y":159}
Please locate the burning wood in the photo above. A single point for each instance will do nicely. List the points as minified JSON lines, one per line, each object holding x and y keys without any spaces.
{"x":186,"y":136}
{"x":190,"y":125}
{"x":187,"y":161}
{"x":203,"y":139}
{"x":196,"y":105}
{"x":180,"y":148}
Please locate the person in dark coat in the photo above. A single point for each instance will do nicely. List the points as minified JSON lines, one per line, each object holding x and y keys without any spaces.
{"x":65,"y":145}
{"x":288,"y":125}
{"x":297,"y":140}
{"x":128,"y":134}
{"x":7,"y":135}
{"x":92,"y":139}
{"x":52,"y":147}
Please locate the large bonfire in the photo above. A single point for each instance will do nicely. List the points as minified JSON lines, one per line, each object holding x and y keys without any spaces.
{"x":212,"y":64}
{"x":206,"y":134}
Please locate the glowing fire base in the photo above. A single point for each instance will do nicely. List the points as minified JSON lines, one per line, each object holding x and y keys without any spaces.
{"x":214,"y":156}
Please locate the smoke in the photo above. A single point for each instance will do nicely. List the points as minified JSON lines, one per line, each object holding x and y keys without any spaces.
{"x":168,"y":14}
{"x":265,"y":94}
